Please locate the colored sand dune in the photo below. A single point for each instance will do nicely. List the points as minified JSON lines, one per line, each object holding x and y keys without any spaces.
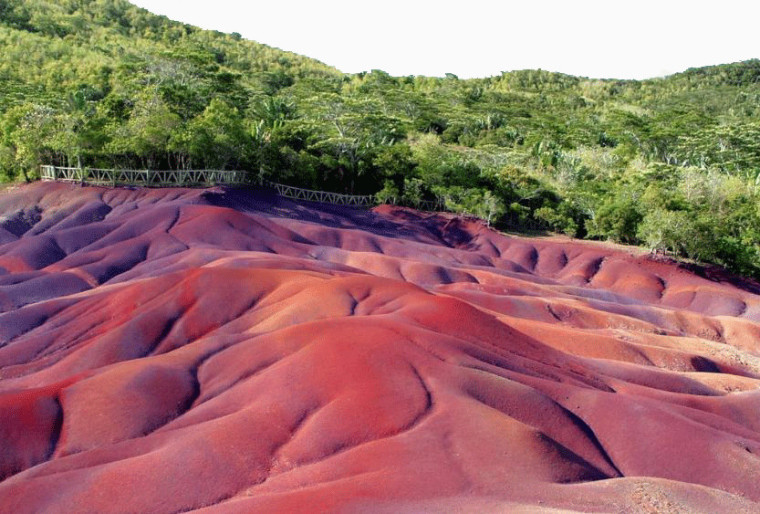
{"x":170,"y":350}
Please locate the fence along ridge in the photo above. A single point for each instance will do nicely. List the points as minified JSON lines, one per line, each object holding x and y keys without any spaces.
{"x":170,"y":178}
{"x":180,"y":178}
{"x":155,"y":178}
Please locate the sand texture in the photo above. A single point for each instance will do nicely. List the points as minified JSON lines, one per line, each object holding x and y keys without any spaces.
{"x":229,"y":350}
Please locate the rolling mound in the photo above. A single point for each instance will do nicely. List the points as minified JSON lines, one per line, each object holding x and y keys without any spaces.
{"x":229,"y":350}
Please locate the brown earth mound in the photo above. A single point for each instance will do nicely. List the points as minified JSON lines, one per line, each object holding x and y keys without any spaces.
{"x":171,"y":350}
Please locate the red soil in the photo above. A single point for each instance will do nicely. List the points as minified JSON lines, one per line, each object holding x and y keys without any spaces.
{"x":169,"y":350}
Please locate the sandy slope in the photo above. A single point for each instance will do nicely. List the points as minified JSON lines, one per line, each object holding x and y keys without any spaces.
{"x":168,"y":350}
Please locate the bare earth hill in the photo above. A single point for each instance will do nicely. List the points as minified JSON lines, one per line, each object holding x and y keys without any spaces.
{"x":171,"y":350}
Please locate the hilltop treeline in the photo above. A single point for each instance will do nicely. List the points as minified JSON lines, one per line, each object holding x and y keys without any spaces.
{"x":670,"y":163}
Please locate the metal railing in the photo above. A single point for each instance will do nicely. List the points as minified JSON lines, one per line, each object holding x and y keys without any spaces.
{"x":311,"y":195}
{"x":187,"y":178}
{"x":424,"y":205}
{"x":151,"y":178}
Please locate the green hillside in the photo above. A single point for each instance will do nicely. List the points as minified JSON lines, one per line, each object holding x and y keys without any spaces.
{"x":670,"y":163}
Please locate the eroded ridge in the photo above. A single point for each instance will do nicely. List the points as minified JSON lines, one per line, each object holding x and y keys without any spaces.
{"x":172,"y":350}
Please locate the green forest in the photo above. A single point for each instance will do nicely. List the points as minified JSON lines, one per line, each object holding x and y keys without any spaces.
{"x":672,"y":163}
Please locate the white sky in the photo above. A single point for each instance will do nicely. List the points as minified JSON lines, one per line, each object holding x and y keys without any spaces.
{"x":480,"y":38}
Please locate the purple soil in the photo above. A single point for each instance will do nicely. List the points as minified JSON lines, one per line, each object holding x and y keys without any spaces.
{"x":171,"y":350}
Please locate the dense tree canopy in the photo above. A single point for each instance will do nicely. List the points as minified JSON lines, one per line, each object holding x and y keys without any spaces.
{"x":671,"y":163}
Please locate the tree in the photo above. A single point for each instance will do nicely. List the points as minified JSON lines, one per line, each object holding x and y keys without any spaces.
{"x":27,"y":132}
{"x":617,"y":218}
{"x":145,"y":137}
{"x":216,"y":138}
